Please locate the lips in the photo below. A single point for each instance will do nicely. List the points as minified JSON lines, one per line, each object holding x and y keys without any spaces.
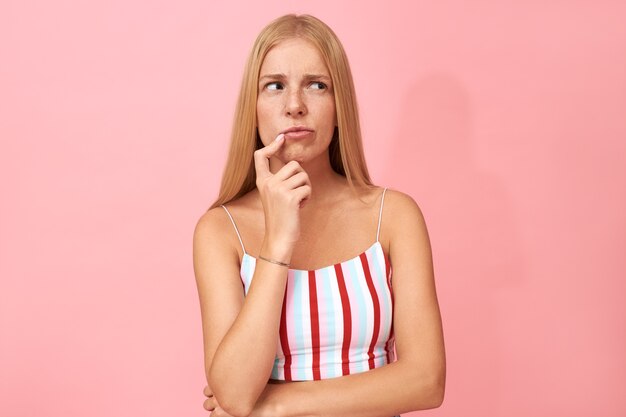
{"x":295,"y":132}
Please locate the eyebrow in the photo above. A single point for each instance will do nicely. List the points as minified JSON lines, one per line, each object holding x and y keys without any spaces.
{"x":306,"y":77}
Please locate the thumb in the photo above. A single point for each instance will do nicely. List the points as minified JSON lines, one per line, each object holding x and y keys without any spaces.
{"x":262,"y":156}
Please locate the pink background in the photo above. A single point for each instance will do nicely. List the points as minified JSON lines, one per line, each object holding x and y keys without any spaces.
{"x":506,"y":121}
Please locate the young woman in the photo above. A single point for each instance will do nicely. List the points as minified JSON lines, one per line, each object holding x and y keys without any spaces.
{"x":306,"y":271}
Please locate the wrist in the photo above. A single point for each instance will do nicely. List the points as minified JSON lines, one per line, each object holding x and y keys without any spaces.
{"x":276,"y":250}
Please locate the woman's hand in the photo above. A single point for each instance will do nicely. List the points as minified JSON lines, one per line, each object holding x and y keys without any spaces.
{"x":282,"y":195}
{"x":264,"y":407}
{"x":211,"y":404}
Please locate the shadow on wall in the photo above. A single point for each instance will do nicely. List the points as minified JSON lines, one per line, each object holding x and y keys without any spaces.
{"x":472,"y":227}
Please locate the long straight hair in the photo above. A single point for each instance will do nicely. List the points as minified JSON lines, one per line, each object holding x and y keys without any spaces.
{"x":346,"y":147}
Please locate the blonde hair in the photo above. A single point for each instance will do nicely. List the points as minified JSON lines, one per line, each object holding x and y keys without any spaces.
{"x":346,"y":148}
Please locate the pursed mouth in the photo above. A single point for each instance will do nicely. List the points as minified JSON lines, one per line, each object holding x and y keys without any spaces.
{"x":296,"y":129}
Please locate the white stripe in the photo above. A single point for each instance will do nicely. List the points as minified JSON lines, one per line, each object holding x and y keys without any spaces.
{"x":304,"y":358}
{"x":335,"y":358}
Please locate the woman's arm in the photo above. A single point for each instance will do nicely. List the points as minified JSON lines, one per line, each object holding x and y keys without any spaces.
{"x":240,"y":336}
{"x":417,"y":379}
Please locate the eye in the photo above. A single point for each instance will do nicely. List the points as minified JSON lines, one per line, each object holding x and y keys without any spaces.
{"x":274,"y":86}
{"x":317,"y":85}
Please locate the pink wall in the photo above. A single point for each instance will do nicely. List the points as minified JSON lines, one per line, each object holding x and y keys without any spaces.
{"x":506,"y":122}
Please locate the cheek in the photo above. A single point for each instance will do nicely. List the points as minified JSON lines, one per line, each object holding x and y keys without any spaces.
{"x":329,"y":109}
{"x":263,"y":116}
{"x":331,"y":114}
{"x":261,"y":113}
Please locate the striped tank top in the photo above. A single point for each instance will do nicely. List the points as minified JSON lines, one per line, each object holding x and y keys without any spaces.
{"x":336,"y":320}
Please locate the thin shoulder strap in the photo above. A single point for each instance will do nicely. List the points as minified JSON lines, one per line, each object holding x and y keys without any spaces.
{"x":235,"y":226}
{"x":380,"y":215}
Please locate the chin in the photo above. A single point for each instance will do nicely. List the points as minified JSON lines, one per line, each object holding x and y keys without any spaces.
{"x":295,"y":157}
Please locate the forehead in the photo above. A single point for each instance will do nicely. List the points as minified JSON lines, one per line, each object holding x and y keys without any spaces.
{"x":293,"y":56}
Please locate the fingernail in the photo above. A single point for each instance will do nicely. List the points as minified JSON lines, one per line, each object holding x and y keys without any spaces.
{"x":279,"y":137}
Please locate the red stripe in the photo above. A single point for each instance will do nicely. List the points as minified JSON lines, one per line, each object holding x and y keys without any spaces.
{"x":284,"y":341}
{"x":376,"y":305}
{"x":315,"y":326}
{"x":347,"y":321}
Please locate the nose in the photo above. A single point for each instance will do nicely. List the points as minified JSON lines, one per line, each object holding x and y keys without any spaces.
{"x":294,"y":105}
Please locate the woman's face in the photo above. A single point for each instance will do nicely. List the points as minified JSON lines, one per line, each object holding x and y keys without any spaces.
{"x":296,"y":96}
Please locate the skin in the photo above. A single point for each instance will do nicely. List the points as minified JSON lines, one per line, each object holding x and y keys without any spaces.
{"x":304,"y":213}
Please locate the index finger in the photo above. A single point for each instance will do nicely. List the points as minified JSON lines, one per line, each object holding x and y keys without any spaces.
{"x":262,"y":156}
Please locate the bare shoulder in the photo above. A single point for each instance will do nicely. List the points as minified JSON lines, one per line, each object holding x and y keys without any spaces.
{"x":402,"y":222}
{"x":401,"y":208}
{"x":211,"y":223}
{"x":214,"y":239}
